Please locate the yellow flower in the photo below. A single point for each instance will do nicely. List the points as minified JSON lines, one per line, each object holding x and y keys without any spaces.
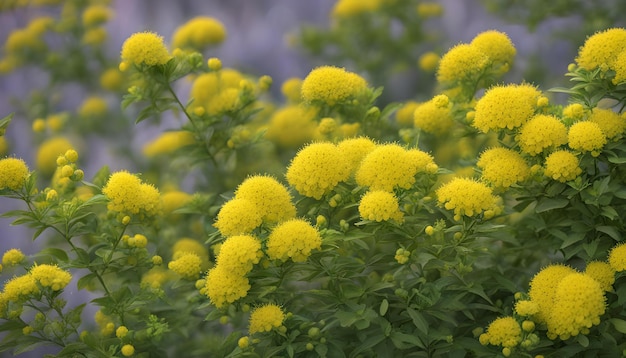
{"x":619,"y":66}
{"x":96,"y":15}
{"x":145,"y":48}
{"x":227,"y":100}
{"x":526,"y":308}
{"x":404,"y":115}
{"x":95,"y":36}
{"x":168,"y":142}
{"x":238,"y":216}
{"x":292,"y":126}
{"x":332,"y":85}
{"x":187,"y":245}
{"x":50,"y":276}
{"x":429,"y":9}
{"x":505,"y":332}
{"x":617,"y":257}
{"x":386,"y":167}
{"x":19,"y":288}
{"x":603,"y":273}
{"x":467,"y":197}
{"x":428,"y":62}
{"x":353,"y":150}
{"x":503,"y":167}
{"x":317,"y":169}
{"x":462,"y":63}
{"x":93,"y":107}
{"x":128,"y":195}
{"x":574,"y":111}
{"x":13,"y":173}
{"x":294,"y":239}
{"x":173,"y":200}
{"x":291,"y":89}
{"x":578,"y":304}
{"x":198,"y":33}
{"x":601,"y":49}
{"x":541,"y":132}
{"x":610,"y":123}
{"x":155,"y":278}
{"x":562,"y":166}
{"x":188,"y":265}
{"x":543,"y":288}
{"x":379,"y":205}
{"x":128,"y":350}
{"x":507,"y":106}
{"x":4,"y":146}
{"x":434,"y":116}
{"x":12,"y":257}
{"x":239,"y":253}
{"x":586,"y":136}
{"x":208,"y":85}
{"x":349,"y":8}
{"x":265,"y":318}
{"x":270,"y":197}
{"x":223,"y":286}
{"x":48,"y":152}
{"x":497,"y":46}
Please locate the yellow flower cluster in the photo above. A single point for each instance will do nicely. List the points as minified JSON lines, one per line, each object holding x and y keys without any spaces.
{"x":223,"y":286}
{"x":13,"y":173}
{"x":380,"y":205}
{"x":542,"y":132}
{"x":51,"y":276}
{"x":543,"y":288}
{"x":468,"y":197}
{"x":526,"y":308}
{"x":602,"y":49}
{"x":498,"y":47}
{"x":405,"y":115}
{"x":603,"y":273}
{"x":390,"y":166}
{"x":508,"y":106}
{"x":96,"y":14}
{"x":173,"y":200}
{"x":144,"y":48}
{"x":504,"y":331}
{"x":434,"y":116}
{"x":610,"y":123}
{"x":503,"y":167}
{"x":198,"y":33}
{"x":49,"y":151}
{"x":291,"y":89}
{"x":239,"y":253}
{"x":586,"y":136}
{"x":317,"y":169}
{"x":188,"y":265}
{"x":168,"y":142}
{"x":94,"y":106}
{"x":12,"y":257}
{"x":238,"y":216}
{"x":155,"y":278}
{"x":129,"y":196}
{"x":332,"y":85}
{"x":350,"y":8}
{"x":293,"y":239}
{"x":353,"y":150}
{"x":266,"y":318}
{"x":617,"y":257}
{"x":217,"y":92}
{"x":186,"y":245}
{"x":562,"y":165}
{"x":292,"y":126}
{"x":271,"y":198}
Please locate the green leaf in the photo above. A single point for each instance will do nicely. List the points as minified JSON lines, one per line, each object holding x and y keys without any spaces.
{"x":85,"y":281}
{"x":583,"y":340}
{"x":612,"y":231}
{"x":405,"y":341}
{"x":59,"y":254}
{"x":619,"y":324}
{"x":4,"y":122}
{"x":547,"y":204}
{"x":384,"y":306}
{"x":418,"y":320}
{"x":609,"y":212}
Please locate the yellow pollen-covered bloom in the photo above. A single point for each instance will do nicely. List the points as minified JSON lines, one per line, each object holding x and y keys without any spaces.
{"x":51,"y":276}
{"x":603,"y":273}
{"x":198,"y":33}
{"x":188,"y":265}
{"x":208,"y":85}
{"x":578,"y":304}
{"x":271,"y":198}
{"x":462,"y":63}
{"x":155,"y":278}
{"x":505,"y":332}
{"x":224,"y":101}
{"x":13,"y":173}
{"x":562,"y":165}
{"x":574,"y":111}
{"x":601,"y":49}
{"x":543,"y":288}
{"x":497,"y":46}
{"x":168,"y":142}
{"x":185,"y":245}
{"x":332,"y":85}
{"x":239,"y":253}
{"x":266,"y":318}
{"x":353,"y":150}
{"x":586,"y":136}
{"x":292,"y":126}
{"x":467,"y":197}
{"x":380,"y":205}
{"x":145,"y":48}
{"x":112,"y":79}
{"x":238,"y":216}
{"x":611,"y":124}
{"x":526,"y":308}
{"x":19,"y":288}
{"x":173,"y":200}
{"x":386,"y":167}
{"x":617,"y":257}
{"x":128,"y":195}
{"x":540,"y":133}
{"x":317,"y":169}
{"x":12,"y":257}
{"x":507,"y":106}
{"x":128,"y":350}
{"x":619,"y":66}
{"x":294,"y":239}
{"x":434,"y":116}
{"x":223,"y":286}
{"x":48,"y":152}
{"x":503,"y":167}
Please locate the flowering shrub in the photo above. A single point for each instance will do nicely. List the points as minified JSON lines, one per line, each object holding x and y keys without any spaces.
{"x":480,"y":219}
